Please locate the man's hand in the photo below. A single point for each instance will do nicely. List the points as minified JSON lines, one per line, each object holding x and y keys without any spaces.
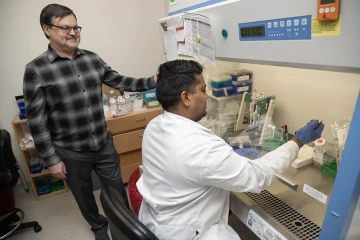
{"x":310,"y":132}
{"x":155,"y":76}
{"x":58,"y":170}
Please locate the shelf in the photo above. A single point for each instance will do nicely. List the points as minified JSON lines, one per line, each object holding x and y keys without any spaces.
{"x":53,"y":194}
{"x":27,"y":149}
{"x":17,"y":120}
{"x":43,"y":172}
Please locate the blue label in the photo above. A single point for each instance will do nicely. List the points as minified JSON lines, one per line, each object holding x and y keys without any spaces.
{"x":294,"y":28}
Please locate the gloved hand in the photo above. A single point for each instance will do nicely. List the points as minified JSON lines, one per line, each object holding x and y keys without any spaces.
{"x":310,"y":132}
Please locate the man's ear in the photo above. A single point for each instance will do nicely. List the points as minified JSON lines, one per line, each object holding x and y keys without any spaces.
{"x":185,"y":98}
{"x":46,"y":30}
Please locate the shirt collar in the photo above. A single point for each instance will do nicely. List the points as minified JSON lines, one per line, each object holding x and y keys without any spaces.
{"x":184,"y":120}
{"x":53,"y":55}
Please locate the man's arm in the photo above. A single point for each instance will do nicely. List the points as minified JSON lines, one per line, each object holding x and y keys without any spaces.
{"x":35,"y":103}
{"x":122,"y":83}
{"x":226,"y":169}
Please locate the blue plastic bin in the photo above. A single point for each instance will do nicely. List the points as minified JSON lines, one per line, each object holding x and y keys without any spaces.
{"x":241,"y":87}
{"x":43,"y":186}
{"x":221,"y":81}
{"x":241,"y":75}
{"x":222,"y":92}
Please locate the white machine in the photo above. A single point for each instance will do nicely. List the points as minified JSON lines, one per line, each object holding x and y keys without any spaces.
{"x":288,"y":33}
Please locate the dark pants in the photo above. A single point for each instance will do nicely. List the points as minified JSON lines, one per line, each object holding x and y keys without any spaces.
{"x":79,"y":165}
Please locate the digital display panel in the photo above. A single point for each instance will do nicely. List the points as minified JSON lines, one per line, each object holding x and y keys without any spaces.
{"x":323,"y":2}
{"x":258,"y":31}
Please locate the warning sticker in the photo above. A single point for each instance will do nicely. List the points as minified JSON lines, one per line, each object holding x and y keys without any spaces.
{"x":315,"y":193}
{"x":327,"y":28}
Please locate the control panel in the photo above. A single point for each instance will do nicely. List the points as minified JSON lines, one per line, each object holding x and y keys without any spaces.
{"x":293,"y":28}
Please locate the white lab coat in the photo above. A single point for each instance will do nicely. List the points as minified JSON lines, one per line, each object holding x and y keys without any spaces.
{"x":188,"y":173}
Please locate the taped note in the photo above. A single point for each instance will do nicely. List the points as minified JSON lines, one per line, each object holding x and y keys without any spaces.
{"x":170,"y":44}
{"x":327,"y":28}
{"x":198,"y":37}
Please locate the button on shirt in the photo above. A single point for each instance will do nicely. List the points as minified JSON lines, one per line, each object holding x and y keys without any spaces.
{"x":63,"y":100}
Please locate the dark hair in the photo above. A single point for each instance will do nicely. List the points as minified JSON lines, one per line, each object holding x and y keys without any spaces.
{"x":175,"y":77}
{"x":51,"y":11}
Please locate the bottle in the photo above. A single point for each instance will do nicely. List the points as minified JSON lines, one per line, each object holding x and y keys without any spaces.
{"x":113,"y":105}
{"x":121,"y":105}
{"x":128,"y":103}
{"x":105,"y":100}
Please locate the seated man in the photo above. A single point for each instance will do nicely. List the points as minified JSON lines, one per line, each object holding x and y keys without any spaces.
{"x":188,"y":172}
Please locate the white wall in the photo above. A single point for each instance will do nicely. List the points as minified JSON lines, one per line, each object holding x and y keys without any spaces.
{"x":124,"y":33}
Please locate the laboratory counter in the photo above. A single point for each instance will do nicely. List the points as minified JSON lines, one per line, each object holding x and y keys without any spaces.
{"x":285,"y":210}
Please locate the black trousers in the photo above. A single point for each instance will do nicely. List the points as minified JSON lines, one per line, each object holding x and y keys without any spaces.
{"x":79,"y":165}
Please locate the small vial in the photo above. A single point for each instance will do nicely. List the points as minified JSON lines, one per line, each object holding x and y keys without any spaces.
{"x":273,"y":132}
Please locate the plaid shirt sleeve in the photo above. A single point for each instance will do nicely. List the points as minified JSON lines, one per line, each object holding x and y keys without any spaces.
{"x":115,"y":80}
{"x":35,"y":103}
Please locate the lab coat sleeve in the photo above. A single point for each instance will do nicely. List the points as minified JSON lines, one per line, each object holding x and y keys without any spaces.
{"x":122,"y":83}
{"x":226,"y":169}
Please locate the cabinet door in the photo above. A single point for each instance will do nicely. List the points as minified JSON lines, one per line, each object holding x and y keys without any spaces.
{"x":132,"y":121}
{"x":128,"y":141}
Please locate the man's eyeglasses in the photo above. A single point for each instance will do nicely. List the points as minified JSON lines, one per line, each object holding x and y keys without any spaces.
{"x":67,"y":30}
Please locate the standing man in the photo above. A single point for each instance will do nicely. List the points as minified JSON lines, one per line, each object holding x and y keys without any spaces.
{"x":63,"y":96}
{"x":188,"y":172}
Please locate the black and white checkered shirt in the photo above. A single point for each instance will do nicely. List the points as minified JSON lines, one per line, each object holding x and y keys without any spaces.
{"x":63,"y":100}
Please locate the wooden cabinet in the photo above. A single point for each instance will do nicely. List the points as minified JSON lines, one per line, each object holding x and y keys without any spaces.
{"x":128,"y":131}
{"x":20,"y":126}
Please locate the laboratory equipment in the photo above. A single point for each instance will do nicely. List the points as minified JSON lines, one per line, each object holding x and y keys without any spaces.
{"x":113,"y":105}
{"x":222,"y":92}
{"x":260,"y":111}
{"x":319,"y":151}
{"x":121,"y":106}
{"x":328,"y":10}
{"x":221,"y":81}
{"x":241,"y":86}
{"x":340,"y":131}
{"x":221,"y":114}
{"x":291,"y":36}
{"x":241,"y":75}
{"x":128,"y":103}
{"x":305,"y":157}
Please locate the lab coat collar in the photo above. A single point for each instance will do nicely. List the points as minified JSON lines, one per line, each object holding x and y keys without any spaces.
{"x":184,"y":120}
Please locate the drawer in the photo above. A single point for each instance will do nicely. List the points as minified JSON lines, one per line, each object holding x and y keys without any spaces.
{"x":128,"y":141}
{"x":127,"y":171}
{"x":132,"y":121}
{"x":129,"y":158}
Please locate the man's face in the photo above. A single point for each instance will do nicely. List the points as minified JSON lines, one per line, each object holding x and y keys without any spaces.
{"x":59,"y":38}
{"x":200,"y":99}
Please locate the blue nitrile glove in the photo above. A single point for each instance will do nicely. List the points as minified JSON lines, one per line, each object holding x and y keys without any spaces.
{"x":249,"y":153}
{"x":310,"y":132}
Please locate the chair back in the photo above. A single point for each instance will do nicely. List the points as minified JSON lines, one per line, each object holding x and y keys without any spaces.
{"x":123,"y":223}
